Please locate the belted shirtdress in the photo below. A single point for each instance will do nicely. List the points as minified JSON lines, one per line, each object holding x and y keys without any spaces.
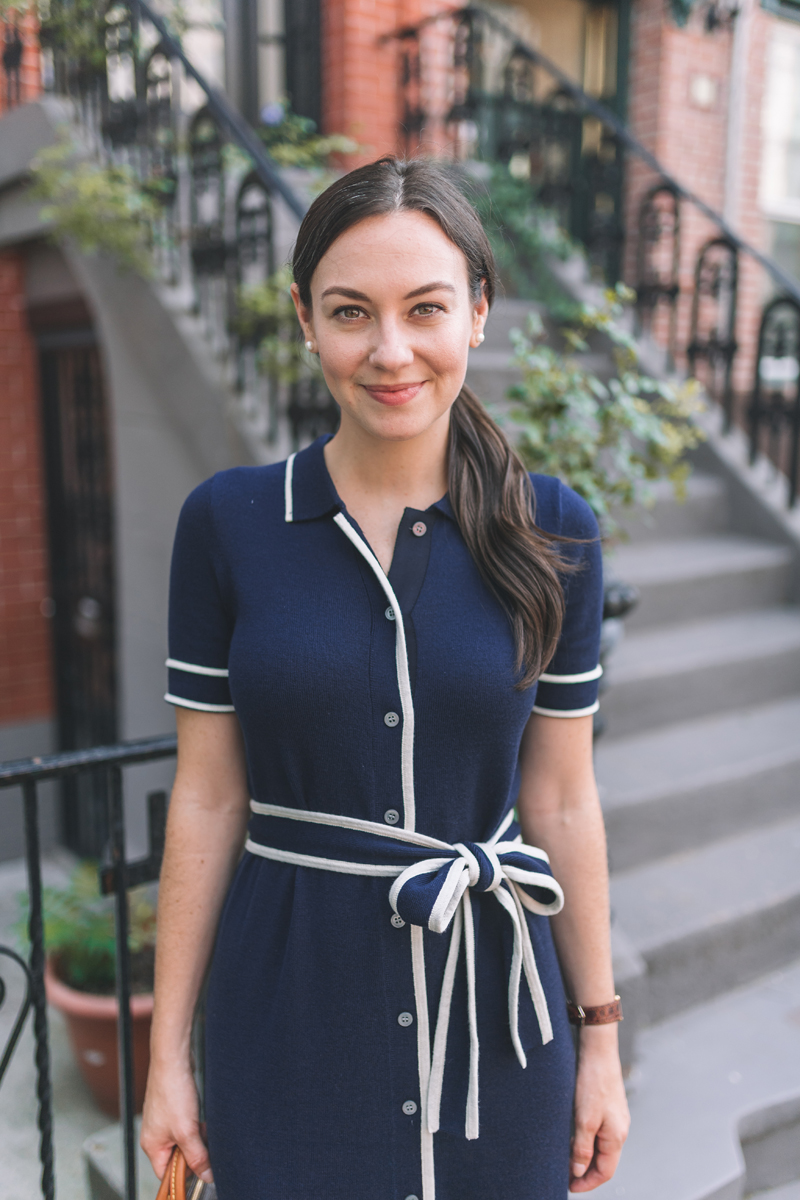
{"x":385,"y":1016}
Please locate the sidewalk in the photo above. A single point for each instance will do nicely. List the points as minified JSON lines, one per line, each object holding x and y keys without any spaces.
{"x":75,"y":1114}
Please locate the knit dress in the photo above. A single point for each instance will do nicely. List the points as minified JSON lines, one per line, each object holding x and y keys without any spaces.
{"x":384,"y":963}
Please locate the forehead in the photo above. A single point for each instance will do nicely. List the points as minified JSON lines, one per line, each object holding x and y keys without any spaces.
{"x":397,"y":251}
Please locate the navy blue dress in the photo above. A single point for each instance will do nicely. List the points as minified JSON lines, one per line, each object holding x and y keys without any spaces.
{"x":314,"y":1071}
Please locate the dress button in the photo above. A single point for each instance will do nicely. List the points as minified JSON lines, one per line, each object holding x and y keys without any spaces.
{"x":391,"y":719}
{"x":412,"y":1198}
{"x":410,"y":1107}
{"x":389,"y":614}
{"x":419,"y":529}
{"x":405,"y":1019}
{"x":391,"y":816}
{"x":397,"y":921}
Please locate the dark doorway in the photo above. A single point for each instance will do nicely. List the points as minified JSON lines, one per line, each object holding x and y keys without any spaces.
{"x":303,"y":58}
{"x":80,"y":521}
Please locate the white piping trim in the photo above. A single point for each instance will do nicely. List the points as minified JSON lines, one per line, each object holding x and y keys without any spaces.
{"x":403,"y":676}
{"x":567,"y":712}
{"x":582,"y":678}
{"x":323,"y":818}
{"x":409,"y":823}
{"x":194,"y":669}
{"x":423,"y":1060}
{"x":287,"y":489}
{"x":179,"y":700}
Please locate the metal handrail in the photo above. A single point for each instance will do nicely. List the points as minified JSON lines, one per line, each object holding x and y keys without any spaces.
{"x":117,"y":877}
{"x":221,"y":107}
{"x":610,"y":119}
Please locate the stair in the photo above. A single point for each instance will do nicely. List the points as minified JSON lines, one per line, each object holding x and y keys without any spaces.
{"x":699,"y":771}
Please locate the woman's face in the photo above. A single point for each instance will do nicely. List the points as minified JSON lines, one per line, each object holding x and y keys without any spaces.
{"x":392,"y":319}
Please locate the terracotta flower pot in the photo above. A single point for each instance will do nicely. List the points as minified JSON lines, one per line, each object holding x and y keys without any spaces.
{"x":92,"y":1026}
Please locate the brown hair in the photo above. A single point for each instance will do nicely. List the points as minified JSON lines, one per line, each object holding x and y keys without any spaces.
{"x":489,"y":488}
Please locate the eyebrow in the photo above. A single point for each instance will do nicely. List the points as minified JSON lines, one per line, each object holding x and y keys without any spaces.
{"x":352,"y":294}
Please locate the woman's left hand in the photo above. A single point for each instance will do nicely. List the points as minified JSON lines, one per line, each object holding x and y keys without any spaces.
{"x":601,"y":1110}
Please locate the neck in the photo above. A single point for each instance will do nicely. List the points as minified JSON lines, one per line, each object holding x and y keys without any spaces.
{"x":411,"y":473}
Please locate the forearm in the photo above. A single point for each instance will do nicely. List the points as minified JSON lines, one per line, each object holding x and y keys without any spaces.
{"x":202,"y":849}
{"x":205,"y":835}
{"x":559,"y":810}
{"x":574,"y":838}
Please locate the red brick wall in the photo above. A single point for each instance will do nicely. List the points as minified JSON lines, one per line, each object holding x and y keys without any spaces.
{"x":26,"y":685}
{"x":692,"y":144}
{"x":360,"y":71}
{"x":30,"y":69}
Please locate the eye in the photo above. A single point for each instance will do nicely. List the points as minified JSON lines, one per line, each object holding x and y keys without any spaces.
{"x":350,"y":312}
{"x":428,"y":310}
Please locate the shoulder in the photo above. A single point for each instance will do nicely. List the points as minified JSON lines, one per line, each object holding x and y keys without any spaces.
{"x":561,"y":510}
{"x":226,"y":495}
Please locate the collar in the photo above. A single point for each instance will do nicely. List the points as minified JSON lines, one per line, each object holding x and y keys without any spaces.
{"x":313,"y":491}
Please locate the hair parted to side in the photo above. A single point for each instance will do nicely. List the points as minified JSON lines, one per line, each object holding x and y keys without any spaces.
{"x":489,"y":489}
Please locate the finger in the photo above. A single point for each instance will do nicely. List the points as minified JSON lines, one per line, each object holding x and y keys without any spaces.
{"x":600,"y":1170}
{"x":195,"y":1152}
{"x":159,"y":1159}
{"x":582,"y":1150}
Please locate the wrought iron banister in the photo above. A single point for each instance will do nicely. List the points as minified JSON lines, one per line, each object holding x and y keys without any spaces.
{"x":608,"y":118}
{"x":221,"y":108}
{"x":571,"y":145}
{"x":115,"y":878}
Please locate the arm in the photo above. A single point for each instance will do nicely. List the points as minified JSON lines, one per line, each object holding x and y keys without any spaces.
{"x":205,"y":833}
{"x":559,"y":810}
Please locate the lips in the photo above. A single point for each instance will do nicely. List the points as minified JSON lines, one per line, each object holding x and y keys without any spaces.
{"x":395,"y":395}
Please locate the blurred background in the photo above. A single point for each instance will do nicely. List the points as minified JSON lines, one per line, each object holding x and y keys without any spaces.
{"x":637,"y":165}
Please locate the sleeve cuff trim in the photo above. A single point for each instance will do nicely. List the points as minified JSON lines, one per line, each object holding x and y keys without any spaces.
{"x":194,"y":669}
{"x":198,"y":704}
{"x":584,"y":677}
{"x":567,"y":712}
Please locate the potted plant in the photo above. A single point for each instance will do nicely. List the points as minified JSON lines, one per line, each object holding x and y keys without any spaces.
{"x":80,"y":974}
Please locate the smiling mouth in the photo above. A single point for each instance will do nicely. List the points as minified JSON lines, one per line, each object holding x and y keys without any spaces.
{"x":393,"y":394}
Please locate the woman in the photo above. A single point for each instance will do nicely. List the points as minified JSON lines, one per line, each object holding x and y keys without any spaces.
{"x":377,"y":644}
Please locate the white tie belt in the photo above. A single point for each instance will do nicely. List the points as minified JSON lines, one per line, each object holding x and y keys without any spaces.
{"x":432,"y":884}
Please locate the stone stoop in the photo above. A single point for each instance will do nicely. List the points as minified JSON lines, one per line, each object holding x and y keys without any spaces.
{"x":700,"y":782}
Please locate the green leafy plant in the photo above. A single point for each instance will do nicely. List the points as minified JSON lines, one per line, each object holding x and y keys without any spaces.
{"x":525,"y":238}
{"x":606,"y":439}
{"x":101,"y":208}
{"x":293,"y":141}
{"x":79,"y":933}
{"x":266,"y":317}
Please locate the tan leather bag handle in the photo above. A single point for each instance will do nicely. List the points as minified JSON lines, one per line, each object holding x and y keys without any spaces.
{"x":173,"y":1185}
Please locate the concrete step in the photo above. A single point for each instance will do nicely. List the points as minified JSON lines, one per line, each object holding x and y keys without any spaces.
{"x":789,"y":1191}
{"x":688,"y":784}
{"x":715,"y":1100}
{"x":672,"y":673}
{"x":713,"y":918}
{"x":689,"y":578}
{"x":705,"y":510}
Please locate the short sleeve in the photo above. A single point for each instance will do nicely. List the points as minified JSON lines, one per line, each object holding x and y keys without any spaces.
{"x":199,"y":625}
{"x":568,"y":687}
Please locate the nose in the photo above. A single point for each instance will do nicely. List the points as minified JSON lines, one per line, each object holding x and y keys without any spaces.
{"x":391,"y":350}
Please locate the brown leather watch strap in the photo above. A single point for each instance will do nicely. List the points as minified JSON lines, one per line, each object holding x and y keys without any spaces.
{"x":598,"y":1014}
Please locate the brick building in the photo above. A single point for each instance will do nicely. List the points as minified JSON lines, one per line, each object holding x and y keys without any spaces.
{"x":82,"y":622}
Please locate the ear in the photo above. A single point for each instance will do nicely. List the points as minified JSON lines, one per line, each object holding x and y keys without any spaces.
{"x":480,"y":312}
{"x":304,"y":315}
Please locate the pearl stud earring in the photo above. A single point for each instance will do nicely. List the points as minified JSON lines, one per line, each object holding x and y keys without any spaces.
{"x":310,"y":347}
{"x":480,"y":338}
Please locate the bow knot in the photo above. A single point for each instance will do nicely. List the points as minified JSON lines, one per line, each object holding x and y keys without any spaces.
{"x":435,"y":892}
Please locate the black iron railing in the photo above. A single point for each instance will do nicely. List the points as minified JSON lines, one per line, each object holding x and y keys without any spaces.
{"x":115,"y":877}
{"x":472,"y":88}
{"x":227,"y":215}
